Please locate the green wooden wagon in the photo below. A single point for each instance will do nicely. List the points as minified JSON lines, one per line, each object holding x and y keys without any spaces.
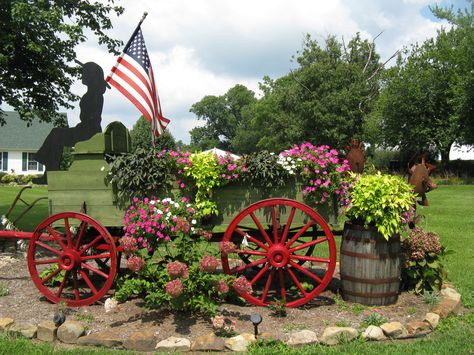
{"x":284,"y":247}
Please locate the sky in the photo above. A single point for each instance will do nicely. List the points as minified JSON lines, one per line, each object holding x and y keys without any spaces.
{"x":205,"y":47}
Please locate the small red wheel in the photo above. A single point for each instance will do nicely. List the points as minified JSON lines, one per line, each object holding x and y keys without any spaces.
{"x":67,"y":256}
{"x":284,"y":259}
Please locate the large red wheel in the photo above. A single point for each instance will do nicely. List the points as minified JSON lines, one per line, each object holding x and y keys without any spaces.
{"x":72,"y":258}
{"x":284,"y":261}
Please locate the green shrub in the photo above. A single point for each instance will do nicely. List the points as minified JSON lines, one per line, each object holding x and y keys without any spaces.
{"x":8,"y":179}
{"x":374,"y":318}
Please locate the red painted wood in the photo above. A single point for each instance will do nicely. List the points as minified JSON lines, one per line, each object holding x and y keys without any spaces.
{"x":272,"y":248}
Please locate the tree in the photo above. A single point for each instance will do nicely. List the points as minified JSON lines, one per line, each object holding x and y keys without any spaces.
{"x":325,"y":100}
{"x":38,"y":40}
{"x":141,"y":136}
{"x":223,"y":115}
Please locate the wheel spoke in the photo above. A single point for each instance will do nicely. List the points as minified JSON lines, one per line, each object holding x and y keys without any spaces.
{"x":82,"y":228}
{"x":293,"y":276}
{"x":56,"y":237}
{"x":260,"y":273}
{"x":88,"y":282}
{"x":68,"y":232}
{"x":252,"y":239}
{"x":47,"y":247}
{"x":267,"y":285}
{"x":305,"y":271}
{"x":260,"y":228}
{"x":47,"y":261}
{"x":60,"y":289}
{"x":300,"y":232}
{"x":90,"y":244}
{"x":249,"y":265}
{"x":93,"y":269}
{"x":288,"y":225}
{"x":251,"y":252}
{"x":282,"y":285}
{"x":310,"y":258}
{"x":274,"y":223}
{"x":98,"y":256}
{"x":308,"y":244}
{"x":50,"y":276}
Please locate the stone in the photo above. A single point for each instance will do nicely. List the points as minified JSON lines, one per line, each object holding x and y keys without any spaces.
{"x":267,"y":336}
{"x":208,"y":342}
{"x":47,"y":331}
{"x":432,"y":319}
{"x":394,"y":330}
{"x":415,"y":327}
{"x":374,"y":333}
{"x":70,"y":331}
{"x":302,"y":337}
{"x":174,"y":344}
{"x":240,"y":342}
{"x":451,"y":293}
{"x":26,"y":330}
{"x":334,"y":335}
{"x":446,"y":307}
{"x":141,"y":341}
{"x":110,"y":304}
{"x":107,"y":338}
{"x":5,"y":323}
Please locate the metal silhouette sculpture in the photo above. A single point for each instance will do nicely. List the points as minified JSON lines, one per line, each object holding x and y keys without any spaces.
{"x":420,"y":179}
{"x":91,"y":115}
{"x":355,"y":155}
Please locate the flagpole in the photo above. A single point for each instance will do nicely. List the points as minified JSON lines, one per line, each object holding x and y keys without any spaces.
{"x":145,"y":14}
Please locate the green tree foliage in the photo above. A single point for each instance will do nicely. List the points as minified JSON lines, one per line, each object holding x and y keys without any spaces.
{"x":38,"y":40}
{"x":223,"y":115}
{"x":325,"y":100}
{"x":141,"y":137}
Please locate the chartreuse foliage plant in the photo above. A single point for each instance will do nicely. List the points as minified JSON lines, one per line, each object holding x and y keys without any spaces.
{"x":383,"y":201}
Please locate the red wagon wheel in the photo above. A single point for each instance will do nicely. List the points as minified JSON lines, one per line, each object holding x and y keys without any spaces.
{"x":66,"y":259}
{"x":280,"y":274}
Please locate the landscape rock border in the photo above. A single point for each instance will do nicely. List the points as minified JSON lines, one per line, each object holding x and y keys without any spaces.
{"x":72,"y":332}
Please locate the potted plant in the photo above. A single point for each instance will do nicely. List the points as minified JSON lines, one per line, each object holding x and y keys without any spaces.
{"x":380,"y":207}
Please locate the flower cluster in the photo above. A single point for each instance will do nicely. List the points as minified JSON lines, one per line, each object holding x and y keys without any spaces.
{"x":421,"y":243}
{"x":288,"y":163}
{"x":177,"y":269}
{"x":174,"y":288}
{"x":129,"y":244}
{"x":242,"y":285}
{"x":208,"y":263}
{"x":151,"y":221}
{"x":227,"y":247}
{"x":230,"y":169}
{"x":324,"y":172}
{"x":223,"y":326}
{"x":222,"y":287}
{"x":135,"y":263}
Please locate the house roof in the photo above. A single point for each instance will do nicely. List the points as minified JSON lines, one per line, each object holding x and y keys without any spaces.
{"x":17,"y":135}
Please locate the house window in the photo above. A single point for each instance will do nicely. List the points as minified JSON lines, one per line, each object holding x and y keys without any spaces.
{"x":30,"y":164}
{"x":3,"y":161}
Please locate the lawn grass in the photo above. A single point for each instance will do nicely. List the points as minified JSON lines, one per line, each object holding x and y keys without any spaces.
{"x":450,"y":214}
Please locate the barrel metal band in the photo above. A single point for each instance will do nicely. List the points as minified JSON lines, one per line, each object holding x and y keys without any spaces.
{"x":351,"y":238}
{"x":370,"y":281}
{"x":371,"y":295}
{"x":371,"y":256}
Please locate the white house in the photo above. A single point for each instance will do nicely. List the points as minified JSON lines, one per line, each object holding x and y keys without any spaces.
{"x":463,"y":152}
{"x":19,"y":143}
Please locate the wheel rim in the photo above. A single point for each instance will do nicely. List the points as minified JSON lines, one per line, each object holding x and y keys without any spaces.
{"x":284,"y":261}
{"x":72,"y":258}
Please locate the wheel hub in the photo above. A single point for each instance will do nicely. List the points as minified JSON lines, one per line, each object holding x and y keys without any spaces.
{"x":69,"y":259}
{"x":278,"y":255}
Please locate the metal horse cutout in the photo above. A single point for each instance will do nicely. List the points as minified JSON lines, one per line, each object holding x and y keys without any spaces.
{"x":420,"y":179}
{"x":355,"y":154}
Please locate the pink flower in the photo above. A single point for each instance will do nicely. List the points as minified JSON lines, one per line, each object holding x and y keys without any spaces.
{"x":242,"y":285}
{"x":185,"y":199}
{"x":208,"y":263}
{"x":129,"y":244}
{"x":222,"y":287}
{"x":174,"y":288}
{"x":207,"y":235}
{"x":218,"y":322}
{"x":182,"y":225}
{"x":227,"y":247}
{"x":135,"y":263}
{"x":177,"y":269}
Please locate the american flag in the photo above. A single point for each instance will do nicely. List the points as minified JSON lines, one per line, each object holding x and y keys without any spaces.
{"x":133,"y":76}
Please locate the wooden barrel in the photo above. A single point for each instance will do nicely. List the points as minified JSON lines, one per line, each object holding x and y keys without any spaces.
{"x":370,"y":266}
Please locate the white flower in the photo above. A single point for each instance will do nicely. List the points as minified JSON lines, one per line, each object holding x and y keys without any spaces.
{"x":299,"y":159}
{"x":193,"y":221}
{"x":176,"y":204}
{"x":288,"y":158}
{"x":168,"y":214}
{"x":291,"y":172}
{"x":158,"y":211}
{"x":102,"y":169}
{"x":192,"y":229}
{"x":272,"y":153}
{"x":188,"y":205}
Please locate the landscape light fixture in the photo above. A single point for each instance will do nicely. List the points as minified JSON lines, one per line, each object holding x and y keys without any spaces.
{"x":256,"y":319}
